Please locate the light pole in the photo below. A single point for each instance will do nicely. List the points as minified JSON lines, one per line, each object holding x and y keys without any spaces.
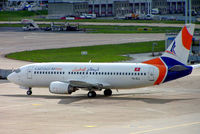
{"x":190,"y":11}
{"x":186,"y":11}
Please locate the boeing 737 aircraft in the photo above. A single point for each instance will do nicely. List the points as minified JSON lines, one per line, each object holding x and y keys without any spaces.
{"x":65,"y":78}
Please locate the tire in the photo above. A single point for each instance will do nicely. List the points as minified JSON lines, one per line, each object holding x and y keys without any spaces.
{"x":91,"y":94}
{"x":29,"y":92}
{"x":107,"y":92}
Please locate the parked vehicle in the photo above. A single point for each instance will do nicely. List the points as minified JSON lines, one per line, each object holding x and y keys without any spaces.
{"x":193,"y":13}
{"x":30,"y":25}
{"x":70,"y":18}
{"x":88,"y":16}
{"x":149,"y":17}
{"x":155,"y":11}
{"x":131,"y":16}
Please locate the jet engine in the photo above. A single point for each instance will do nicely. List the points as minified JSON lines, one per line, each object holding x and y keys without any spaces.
{"x":58,"y":87}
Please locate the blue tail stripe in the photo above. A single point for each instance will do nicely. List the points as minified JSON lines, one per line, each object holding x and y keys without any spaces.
{"x":177,"y":74}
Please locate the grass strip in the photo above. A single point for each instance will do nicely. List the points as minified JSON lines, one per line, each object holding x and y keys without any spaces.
{"x":99,"y":53}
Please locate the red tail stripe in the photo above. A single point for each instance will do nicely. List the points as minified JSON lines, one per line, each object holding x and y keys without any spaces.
{"x":186,"y":38}
{"x":161,"y":66}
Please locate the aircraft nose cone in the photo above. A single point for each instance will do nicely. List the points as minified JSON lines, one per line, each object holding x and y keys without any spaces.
{"x":12,"y":77}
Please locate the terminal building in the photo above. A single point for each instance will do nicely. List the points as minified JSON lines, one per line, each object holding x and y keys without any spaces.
{"x":67,"y":8}
{"x":118,"y":7}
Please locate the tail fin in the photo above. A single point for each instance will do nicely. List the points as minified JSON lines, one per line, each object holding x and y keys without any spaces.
{"x":172,"y":64}
{"x":179,"y":49}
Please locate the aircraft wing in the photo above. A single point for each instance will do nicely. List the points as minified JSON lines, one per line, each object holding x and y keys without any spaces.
{"x":85,"y":84}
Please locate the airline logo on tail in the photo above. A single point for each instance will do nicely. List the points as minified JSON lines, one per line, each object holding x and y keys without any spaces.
{"x":172,"y":51}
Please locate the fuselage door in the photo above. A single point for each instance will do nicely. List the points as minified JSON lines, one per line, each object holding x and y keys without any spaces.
{"x":151,"y":74}
{"x":29,"y":73}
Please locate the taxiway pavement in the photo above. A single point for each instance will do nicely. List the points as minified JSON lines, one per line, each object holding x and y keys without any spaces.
{"x":169,"y":108}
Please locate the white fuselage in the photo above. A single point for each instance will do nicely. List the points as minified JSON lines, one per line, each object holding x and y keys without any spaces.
{"x":110,"y":75}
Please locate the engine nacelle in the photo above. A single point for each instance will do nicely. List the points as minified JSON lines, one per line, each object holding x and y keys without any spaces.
{"x":58,"y":87}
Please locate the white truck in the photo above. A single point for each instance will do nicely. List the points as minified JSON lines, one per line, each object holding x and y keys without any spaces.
{"x":88,"y":16}
{"x":30,"y":25}
{"x":155,"y":11}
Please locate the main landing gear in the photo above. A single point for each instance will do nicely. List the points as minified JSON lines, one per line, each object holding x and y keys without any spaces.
{"x":29,"y":92}
{"x":92,"y":94}
{"x":107,"y":92}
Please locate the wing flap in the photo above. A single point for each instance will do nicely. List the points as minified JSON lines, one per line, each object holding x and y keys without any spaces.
{"x":85,"y":84}
{"x":76,"y":83}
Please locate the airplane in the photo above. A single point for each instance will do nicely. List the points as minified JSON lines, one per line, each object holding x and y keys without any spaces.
{"x":66,"y":78}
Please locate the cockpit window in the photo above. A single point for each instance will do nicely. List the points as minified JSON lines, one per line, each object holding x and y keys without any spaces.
{"x":17,"y":70}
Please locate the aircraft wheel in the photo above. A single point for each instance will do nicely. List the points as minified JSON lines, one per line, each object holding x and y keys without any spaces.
{"x":91,"y":94}
{"x":107,"y":92}
{"x":29,"y":92}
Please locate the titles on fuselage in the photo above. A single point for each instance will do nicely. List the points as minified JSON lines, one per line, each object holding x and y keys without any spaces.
{"x":48,"y":68}
{"x":86,"y":69}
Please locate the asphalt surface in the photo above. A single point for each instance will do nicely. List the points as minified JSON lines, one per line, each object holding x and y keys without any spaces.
{"x":168,"y":108}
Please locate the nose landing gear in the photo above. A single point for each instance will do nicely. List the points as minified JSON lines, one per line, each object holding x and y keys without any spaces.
{"x":29,"y":92}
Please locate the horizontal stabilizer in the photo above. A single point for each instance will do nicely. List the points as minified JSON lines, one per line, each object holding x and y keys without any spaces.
{"x":178,"y":68}
{"x":196,"y":66}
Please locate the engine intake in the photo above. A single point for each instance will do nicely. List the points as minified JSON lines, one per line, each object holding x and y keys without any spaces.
{"x":58,"y":87}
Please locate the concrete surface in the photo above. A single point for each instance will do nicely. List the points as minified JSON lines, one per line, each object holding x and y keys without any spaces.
{"x":169,"y":108}
{"x":23,"y":41}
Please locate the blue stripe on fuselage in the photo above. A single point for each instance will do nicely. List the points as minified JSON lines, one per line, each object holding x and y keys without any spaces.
{"x":172,"y":75}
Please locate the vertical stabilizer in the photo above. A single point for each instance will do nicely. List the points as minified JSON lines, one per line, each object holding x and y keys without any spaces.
{"x":179,"y":49}
{"x":172,"y":64}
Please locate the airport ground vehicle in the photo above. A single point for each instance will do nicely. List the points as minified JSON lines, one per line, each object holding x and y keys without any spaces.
{"x":30,"y":25}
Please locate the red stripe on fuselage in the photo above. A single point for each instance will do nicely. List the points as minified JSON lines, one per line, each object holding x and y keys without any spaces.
{"x":157,"y":62}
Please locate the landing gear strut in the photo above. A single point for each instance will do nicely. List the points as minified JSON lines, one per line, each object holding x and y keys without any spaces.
{"x":91,"y":94}
{"x":107,"y":92}
{"x":29,"y":92}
